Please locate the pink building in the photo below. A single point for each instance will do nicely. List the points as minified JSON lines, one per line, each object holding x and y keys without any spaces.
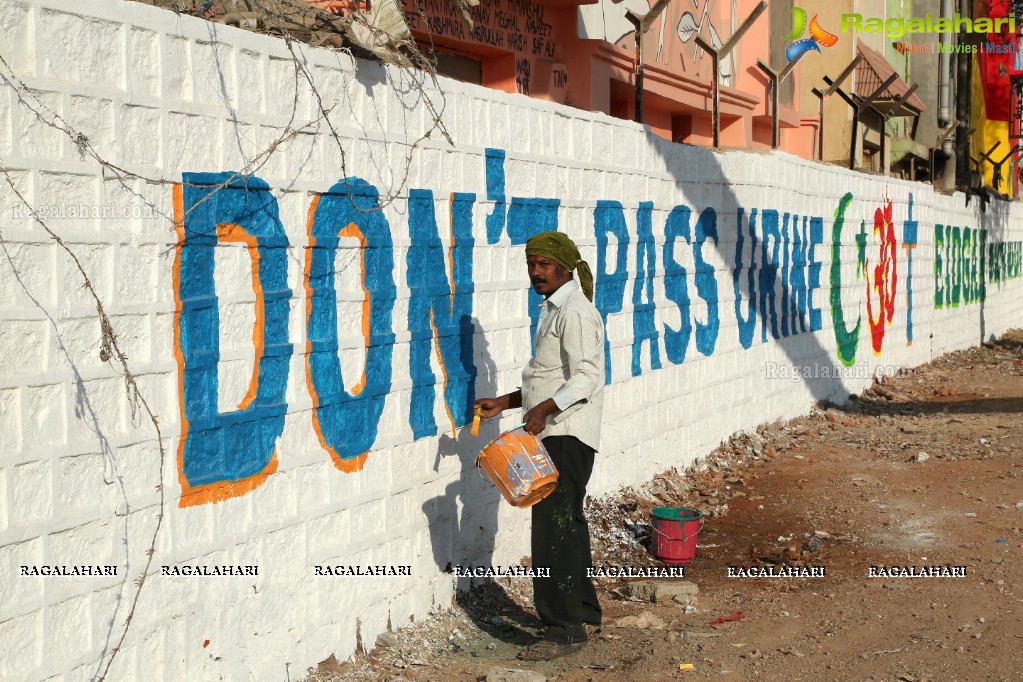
{"x":584,"y":55}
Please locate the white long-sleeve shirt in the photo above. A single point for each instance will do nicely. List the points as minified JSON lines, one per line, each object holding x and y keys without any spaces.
{"x":568,"y":365}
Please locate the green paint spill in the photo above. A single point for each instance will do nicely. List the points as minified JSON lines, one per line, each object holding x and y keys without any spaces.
{"x":563,"y":518}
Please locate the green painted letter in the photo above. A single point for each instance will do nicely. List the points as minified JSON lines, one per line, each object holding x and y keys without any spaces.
{"x":847,"y":341}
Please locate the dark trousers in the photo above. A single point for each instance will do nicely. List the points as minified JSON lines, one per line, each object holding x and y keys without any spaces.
{"x":561,"y":541}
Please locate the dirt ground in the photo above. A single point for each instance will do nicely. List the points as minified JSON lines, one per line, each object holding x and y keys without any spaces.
{"x":921,"y":470}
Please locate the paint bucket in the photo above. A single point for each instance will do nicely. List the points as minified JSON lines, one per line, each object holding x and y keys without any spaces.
{"x":675,"y":531}
{"x":518,"y":464}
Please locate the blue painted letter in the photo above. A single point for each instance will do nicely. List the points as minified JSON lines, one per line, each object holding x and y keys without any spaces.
{"x":676,"y":342}
{"x":706,"y":284}
{"x":440,"y":311}
{"x":346,"y":420}
{"x":609,"y":298}
{"x":748,"y":324}
{"x":223,"y":454}
{"x":644,"y":327}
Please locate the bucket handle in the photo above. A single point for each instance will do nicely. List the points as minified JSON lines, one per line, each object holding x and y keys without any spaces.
{"x":684,"y":538}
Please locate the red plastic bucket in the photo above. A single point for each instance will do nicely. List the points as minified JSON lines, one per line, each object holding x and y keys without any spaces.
{"x":675,"y":531}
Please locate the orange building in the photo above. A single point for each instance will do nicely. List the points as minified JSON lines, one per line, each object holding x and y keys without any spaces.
{"x":584,"y":55}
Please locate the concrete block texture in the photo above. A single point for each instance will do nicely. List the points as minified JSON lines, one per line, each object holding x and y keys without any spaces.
{"x":309,"y":293}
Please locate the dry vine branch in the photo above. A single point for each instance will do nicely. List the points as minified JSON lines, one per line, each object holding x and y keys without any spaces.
{"x":286,"y":18}
{"x":110,"y":348}
{"x":281,"y":13}
{"x":81,"y":142}
{"x":412,"y":62}
{"x":409,"y":60}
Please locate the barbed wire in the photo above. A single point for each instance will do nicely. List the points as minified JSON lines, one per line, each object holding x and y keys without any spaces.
{"x":111,"y":350}
{"x":408,"y":59}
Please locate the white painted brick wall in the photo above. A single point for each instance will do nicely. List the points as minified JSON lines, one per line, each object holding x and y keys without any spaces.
{"x":159,"y":95}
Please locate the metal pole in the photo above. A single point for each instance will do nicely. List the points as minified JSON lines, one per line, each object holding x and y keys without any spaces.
{"x":939,"y":145}
{"x":715,"y":88}
{"x":884,"y":125}
{"x":945,"y":133}
{"x":846,"y":72}
{"x":639,"y":77}
{"x":986,"y":158}
{"x":857,"y":108}
{"x":638,"y":23}
{"x":856,"y":117}
{"x":775,"y":78}
{"x":639,"y":87}
{"x":716,"y":55}
{"x":775,"y":128}
{"x":852,"y":138}
{"x":820,"y":128}
{"x":833,"y":86}
{"x":642,"y":25}
{"x":868,"y":101}
{"x":884,"y":149}
{"x":963,"y":103}
{"x":1014,"y":184}
{"x":716,"y":115}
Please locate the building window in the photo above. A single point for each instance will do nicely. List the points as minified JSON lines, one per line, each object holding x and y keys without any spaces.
{"x":460,"y":67}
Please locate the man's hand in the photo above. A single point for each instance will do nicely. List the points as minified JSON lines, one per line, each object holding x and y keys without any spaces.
{"x":488,"y":407}
{"x":536,"y":418}
{"x":491,"y":407}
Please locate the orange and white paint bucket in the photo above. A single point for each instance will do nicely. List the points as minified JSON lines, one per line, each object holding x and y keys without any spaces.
{"x":518,"y":464}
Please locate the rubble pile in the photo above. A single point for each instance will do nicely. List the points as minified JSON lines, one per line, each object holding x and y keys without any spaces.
{"x":619,"y":524}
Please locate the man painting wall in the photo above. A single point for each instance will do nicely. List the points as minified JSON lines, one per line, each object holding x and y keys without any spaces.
{"x":562,"y":393}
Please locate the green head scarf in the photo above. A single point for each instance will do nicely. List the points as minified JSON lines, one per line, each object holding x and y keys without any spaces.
{"x":562,"y":250}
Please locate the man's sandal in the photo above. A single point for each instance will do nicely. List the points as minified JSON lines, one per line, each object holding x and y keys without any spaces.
{"x":547,"y":650}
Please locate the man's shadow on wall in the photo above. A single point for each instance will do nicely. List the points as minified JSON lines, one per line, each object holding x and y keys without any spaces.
{"x":463,"y":521}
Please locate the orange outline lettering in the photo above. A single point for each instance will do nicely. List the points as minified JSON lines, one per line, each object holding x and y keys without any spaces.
{"x":208,"y":493}
{"x":352,"y":464}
